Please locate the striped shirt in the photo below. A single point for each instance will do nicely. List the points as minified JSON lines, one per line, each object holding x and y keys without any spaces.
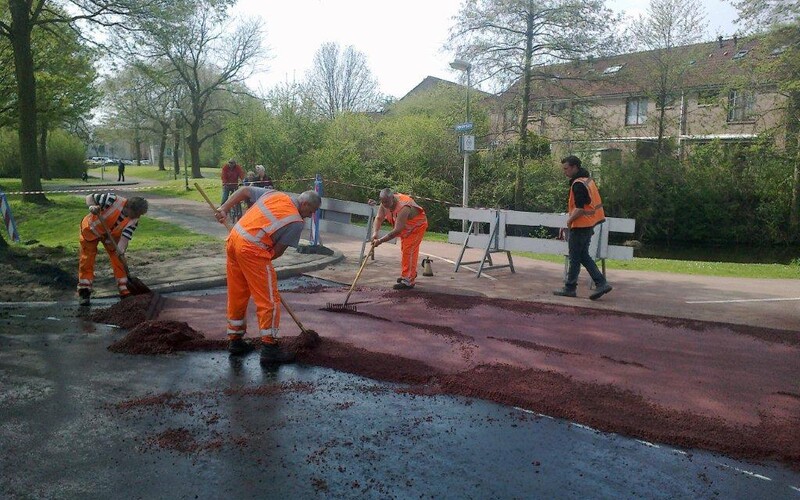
{"x":104,"y":201}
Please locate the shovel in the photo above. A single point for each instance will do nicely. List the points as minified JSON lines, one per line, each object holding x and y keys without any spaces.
{"x":135,"y":285}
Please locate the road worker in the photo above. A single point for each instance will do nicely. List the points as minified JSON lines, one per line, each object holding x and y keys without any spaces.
{"x":585,"y":212}
{"x":274,"y":223}
{"x":121,"y":216}
{"x":410,"y":224}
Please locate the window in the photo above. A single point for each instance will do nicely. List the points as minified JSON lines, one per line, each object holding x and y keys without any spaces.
{"x":707,"y":97}
{"x":558,"y":107}
{"x":636,"y":111}
{"x":741,"y":104}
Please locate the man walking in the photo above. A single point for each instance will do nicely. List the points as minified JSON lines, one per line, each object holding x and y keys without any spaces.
{"x":121,"y":171}
{"x":274,"y":223}
{"x":585,"y":211}
{"x":231,"y":173}
{"x":121,"y":216}
{"x":410,"y":224}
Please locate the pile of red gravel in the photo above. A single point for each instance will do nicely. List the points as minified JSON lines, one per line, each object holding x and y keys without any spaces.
{"x":127,"y":313}
{"x":164,"y":337}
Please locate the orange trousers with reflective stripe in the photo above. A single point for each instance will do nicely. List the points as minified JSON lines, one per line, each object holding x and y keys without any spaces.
{"x":250,"y":273}
{"x":88,"y":255}
{"x":409,"y":246}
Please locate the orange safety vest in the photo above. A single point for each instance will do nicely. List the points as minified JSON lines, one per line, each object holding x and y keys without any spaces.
{"x":271,"y":212}
{"x":403,"y":200}
{"x":593,"y":212}
{"x":111,"y":217}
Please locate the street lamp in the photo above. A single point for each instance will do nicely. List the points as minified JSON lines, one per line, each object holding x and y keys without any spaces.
{"x":462,"y":65}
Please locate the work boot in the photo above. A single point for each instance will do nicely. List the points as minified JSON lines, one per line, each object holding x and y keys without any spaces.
{"x":238,"y":347}
{"x":600,"y":291}
{"x":565,"y":292}
{"x":272,"y":355}
{"x":85,"y":297}
{"x":403,"y":284}
{"x":399,"y":280}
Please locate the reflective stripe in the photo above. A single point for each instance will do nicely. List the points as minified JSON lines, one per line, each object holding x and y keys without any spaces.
{"x":249,"y":237}
{"x":124,"y":279}
{"x":115,"y":210}
{"x":270,"y":332}
{"x":235,"y":322}
{"x":84,"y":282}
{"x":235,"y":332}
{"x":271,"y":291}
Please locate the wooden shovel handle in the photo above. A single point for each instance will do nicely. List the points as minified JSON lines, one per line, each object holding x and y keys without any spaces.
{"x":116,"y":247}
{"x":211,"y":204}
{"x":291,"y":313}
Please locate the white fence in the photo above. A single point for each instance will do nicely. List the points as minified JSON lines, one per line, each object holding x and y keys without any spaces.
{"x":496,"y":240}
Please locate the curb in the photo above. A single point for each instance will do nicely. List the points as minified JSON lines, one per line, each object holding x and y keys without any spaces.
{"x":203,"y":283}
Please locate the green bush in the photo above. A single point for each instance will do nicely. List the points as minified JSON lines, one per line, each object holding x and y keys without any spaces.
{"x":65,"y":155}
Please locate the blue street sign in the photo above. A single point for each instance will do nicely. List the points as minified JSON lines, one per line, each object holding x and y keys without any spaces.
{"x":463,"y":127}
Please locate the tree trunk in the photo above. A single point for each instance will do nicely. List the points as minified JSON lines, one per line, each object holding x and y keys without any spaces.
{"x":21,"y":27}
{"x":194,"y":149}
{"x":175,"y":158}
{"x":161,"y":149}
{"x":523,"y":121}
{"x":793,"y":148}
{"x":43,"y":151}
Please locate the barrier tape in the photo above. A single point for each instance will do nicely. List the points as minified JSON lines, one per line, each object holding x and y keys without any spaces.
{"x":378,"y":189}
{"x":114,"y":187}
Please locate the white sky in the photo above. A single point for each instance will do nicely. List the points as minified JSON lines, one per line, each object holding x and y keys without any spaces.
{"x":401,"y":40}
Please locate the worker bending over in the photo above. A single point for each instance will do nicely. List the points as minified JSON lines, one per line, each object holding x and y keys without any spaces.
{"x":121,"y":216}
{"x":274,"y":223}
{"x":409,"y":223}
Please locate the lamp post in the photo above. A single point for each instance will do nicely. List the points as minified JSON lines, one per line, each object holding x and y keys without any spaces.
{"x":461,"y":65}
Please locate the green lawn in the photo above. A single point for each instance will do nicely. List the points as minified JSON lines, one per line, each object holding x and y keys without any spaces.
{"x":58,"y":224}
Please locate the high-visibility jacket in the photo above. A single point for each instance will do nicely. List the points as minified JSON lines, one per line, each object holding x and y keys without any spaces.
{"x":593,"y":212}
{"x":112,"y":219}
{"x":412,"y":223}
{"x":271,"y":212}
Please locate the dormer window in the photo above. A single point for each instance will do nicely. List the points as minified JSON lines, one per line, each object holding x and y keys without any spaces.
{"x":611,"y":70}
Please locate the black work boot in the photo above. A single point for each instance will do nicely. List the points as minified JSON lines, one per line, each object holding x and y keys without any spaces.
{"x":85,"y":297}
{"x":273,"y":355}
{"x":238,"y":347}
{"x":403,"y":284}
{"x":565,"y":292}
{"x":600,"y":291}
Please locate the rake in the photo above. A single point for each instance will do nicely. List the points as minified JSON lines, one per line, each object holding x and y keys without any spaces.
{"x":345,"y":307}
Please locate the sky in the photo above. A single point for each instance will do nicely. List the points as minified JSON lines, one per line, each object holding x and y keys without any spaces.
{"x":402,"y":41}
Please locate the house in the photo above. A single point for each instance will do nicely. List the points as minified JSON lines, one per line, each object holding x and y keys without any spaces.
{"x":605,"y":108}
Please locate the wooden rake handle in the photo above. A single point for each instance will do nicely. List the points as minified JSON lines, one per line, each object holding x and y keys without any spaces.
{"x":291,"y":313}
{"x":211,"y":204}
{"x":358,"y":274}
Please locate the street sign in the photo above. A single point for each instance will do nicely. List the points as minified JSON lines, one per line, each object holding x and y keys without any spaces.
{"x":467,"y":144}
{"x":463,"y":127}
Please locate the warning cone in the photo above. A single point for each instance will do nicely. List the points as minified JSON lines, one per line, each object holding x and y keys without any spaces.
{"x":426,"y":265}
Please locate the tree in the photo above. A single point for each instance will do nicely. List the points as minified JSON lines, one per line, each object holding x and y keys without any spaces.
{"x":779,"y":63}
{"x":208,"y":55}
{"x":341,"y":82}
{"x":18,"y":27}
{"x":505,"y":40}
{"x":667,"y":25}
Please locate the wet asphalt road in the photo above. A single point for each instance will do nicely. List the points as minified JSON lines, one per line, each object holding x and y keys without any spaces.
{"x":238,"y":431}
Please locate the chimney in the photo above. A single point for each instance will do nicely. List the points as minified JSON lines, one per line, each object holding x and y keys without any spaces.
{"x":719,"y":39}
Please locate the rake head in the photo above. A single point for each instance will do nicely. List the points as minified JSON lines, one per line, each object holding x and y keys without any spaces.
{"x":340,"y":307}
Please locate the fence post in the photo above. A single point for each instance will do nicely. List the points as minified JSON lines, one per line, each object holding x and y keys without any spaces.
{"x":315,"y":218}
{"x":8,"y":219}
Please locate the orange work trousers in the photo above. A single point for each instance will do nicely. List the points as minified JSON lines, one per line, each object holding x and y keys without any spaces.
{"x":409,"y":246}
{"x":88,"y":255}
{"x":250,"y":273}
